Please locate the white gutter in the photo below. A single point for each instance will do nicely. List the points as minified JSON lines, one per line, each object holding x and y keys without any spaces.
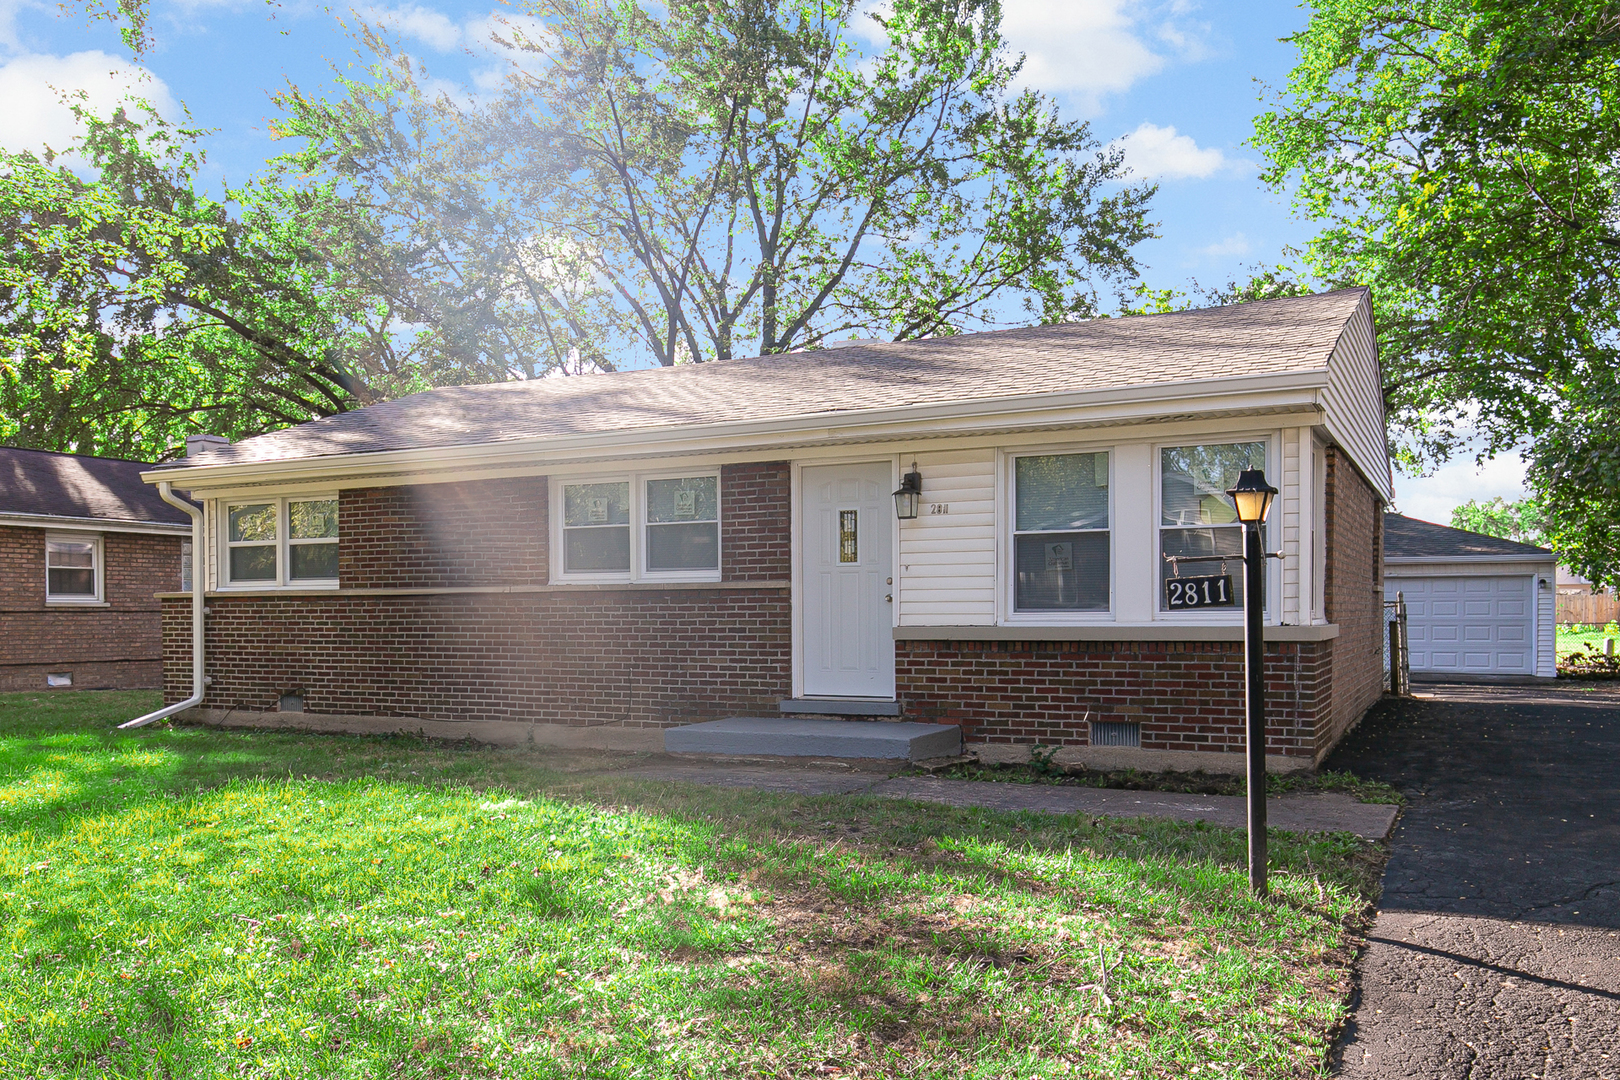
{"x":199,"y":573}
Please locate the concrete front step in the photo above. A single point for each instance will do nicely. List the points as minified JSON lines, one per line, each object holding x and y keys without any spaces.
{"x":778,"y":737}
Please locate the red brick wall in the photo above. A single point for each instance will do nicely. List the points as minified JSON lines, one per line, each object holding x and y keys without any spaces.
{"x":1185,"y":695}
{"x":581,"y":656}
{"x":118,"y":645}
{"x":756,"y":512}
{"x":479,"y":532}
{"x":1355,"y":596}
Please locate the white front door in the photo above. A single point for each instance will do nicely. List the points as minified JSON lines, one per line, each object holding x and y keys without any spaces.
{"x":848,"y":581}
{"x":1481,"y":625}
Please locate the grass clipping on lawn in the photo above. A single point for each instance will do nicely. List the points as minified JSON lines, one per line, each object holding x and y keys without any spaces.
{"x":188,"y":903}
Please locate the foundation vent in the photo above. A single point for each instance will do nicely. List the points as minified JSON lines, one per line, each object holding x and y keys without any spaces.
{"x":293,"y":702}
{"x":1115,"y":733}
{"x":55,"y":680}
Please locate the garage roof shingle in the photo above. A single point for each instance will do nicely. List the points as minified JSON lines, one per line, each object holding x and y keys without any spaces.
{"x":1409,"y":538}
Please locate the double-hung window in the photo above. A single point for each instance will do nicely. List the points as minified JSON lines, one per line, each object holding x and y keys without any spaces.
{"x":72,"y":569}
{"x":643,"y":527}
{"x":1196,"y":517}
{"x":271,"y":542}
{"x":1061,"y":533}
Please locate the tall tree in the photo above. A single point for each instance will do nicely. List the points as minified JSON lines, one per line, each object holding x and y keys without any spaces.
{"x":1463,"y":159}
{"x":135,"y":309}
{"x":696,"y":181}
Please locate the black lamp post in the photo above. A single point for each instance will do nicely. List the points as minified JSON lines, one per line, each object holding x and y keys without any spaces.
{"x":1252,"y":496}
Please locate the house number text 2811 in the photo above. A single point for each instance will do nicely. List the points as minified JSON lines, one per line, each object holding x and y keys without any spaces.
{"x":939,"y":508}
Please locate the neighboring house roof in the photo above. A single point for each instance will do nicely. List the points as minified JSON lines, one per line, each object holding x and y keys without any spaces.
{"x":66,"y":488}
{"x":1409,"y":538}
{"x":1140,"y":357}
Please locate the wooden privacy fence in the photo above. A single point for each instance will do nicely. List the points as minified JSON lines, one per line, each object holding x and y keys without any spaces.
{"x":1588,"y":608}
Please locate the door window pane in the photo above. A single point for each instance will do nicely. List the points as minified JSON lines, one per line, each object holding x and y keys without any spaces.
{"x":70,"y":569}
{"x":596,"y":527}
{"x":1196,"y":518}
{"x":1061,"y":544}
{"x":683,"y":527}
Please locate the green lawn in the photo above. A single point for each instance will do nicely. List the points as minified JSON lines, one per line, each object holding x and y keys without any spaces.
{"x":1569,"y":642}
{"x":191,"y":903}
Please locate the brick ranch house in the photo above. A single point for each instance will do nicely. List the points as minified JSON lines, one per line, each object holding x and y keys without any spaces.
{"x":592,"y":560}
{"x":85,"y":548}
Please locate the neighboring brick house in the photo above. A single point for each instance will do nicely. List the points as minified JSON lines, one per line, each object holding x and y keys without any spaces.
{"x":597,"y":559}
{"x":85,"y":548}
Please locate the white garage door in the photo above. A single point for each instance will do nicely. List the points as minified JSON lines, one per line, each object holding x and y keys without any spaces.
{"x":1481,"y":625}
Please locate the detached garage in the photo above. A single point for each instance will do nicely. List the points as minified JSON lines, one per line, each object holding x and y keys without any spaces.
{"x":1475,"y":604}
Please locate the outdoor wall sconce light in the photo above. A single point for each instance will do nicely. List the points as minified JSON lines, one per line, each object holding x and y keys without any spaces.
{"x":909,"y":497}
{"x":1252,"y":496}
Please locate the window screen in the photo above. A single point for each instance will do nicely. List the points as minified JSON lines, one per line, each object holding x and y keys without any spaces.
{"x":1060,"y":533}
{"x":596,"y":528}
{"x":683,"y":524}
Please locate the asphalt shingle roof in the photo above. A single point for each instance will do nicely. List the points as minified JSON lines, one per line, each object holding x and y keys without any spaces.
{"x":1409,"y":538}
{"x":1265,"y":337}
{"x":73,"y":486}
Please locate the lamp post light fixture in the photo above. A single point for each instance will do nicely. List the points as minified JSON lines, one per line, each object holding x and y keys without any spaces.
{"x":1252,"y":497}
{"x":909,"y":496}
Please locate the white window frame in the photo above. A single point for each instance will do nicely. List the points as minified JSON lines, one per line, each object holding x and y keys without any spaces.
{"x":98,"y":558}
{"x":638,"y":571}
{"x":1007,"y":542}
{"x":283,"y":542}
{"x":1272,"y":441}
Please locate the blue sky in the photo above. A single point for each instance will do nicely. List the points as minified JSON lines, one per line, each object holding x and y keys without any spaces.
{"x":1179,"y":82}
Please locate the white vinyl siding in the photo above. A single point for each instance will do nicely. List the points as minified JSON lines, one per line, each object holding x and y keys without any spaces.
{"x":1289,"y":511}
{"x":1354,"y":401}
{"x":948,"y":559}
{"x":1546,"y":625}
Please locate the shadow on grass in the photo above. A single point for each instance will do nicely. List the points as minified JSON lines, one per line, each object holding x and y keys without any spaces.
{"x":196,"y":901}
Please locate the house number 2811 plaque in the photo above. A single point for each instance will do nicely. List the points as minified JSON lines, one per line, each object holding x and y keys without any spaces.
{"x":1200,"y":592}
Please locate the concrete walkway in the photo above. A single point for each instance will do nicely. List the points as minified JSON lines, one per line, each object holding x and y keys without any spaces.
{"x":1298,"y":813}
{"x":1496,"y":950}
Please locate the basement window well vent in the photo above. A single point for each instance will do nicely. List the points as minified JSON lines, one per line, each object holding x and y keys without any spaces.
{"x":1115,"y":733}
{"x":292,"y":702}
{"x":58,"y":680}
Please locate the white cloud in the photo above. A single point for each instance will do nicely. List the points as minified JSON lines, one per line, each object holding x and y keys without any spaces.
{"x":1434,"y":497}
{"x":432,"y":28}
{"x":1159,"y":153}
{"x":1088,"y":48}
{"x":32,"y":86}
{"x":1232,"y":246}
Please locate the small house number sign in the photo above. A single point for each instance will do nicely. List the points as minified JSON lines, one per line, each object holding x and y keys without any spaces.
{"x":1200,"y":592}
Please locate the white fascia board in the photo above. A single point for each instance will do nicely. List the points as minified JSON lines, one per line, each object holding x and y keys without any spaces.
{"x":1261,"y":395}
{"x":83,"y":524}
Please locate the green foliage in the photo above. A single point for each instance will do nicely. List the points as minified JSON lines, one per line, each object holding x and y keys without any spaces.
{"x":699,"y":181}
{"x":135,"y":309}
{"x":189,"y":903}
{"x":1522,"y":520}
{"x":1462,"y":158}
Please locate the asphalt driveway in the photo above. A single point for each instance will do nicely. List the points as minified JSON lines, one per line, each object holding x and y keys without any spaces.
{"x":1496,"y":951}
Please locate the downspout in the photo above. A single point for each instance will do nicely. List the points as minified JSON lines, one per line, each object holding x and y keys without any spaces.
{"x":199,"y":577}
